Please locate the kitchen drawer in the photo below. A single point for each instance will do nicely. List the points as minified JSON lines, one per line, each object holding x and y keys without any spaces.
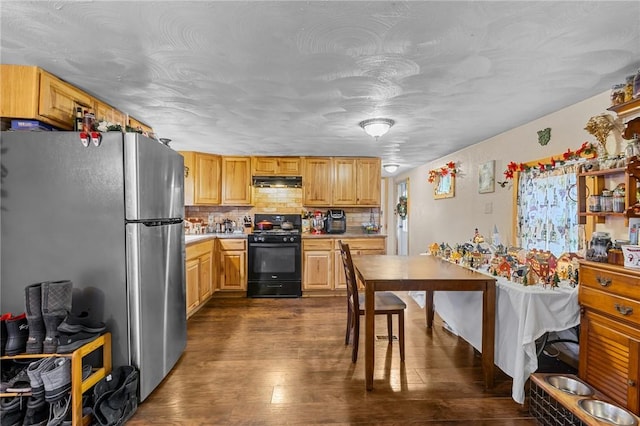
{"x":226,"y":244}
{"x":319,"y":244}
{"x":197,"y":250}
{"x":615,"y":306}
{"x":363,"y":244}
{"x":608,"y":279}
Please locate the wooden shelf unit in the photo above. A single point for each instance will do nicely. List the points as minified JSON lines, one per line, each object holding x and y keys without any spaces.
{"x":78,"y":386}
{"x":627,"y":108}
{"x":593,"y":182}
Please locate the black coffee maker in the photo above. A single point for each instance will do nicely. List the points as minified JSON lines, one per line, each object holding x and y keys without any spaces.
{"x":335,"y":222}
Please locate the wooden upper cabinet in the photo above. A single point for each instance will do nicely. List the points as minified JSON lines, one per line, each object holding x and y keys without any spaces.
{"x":19,"y":91}
{"x":31,"y":93}
{"x":189,"y":177}
{"x":276,"y":166}
{"x":201,"y":178}
{"x":317,"y":180}
{"x":356,"y":181}
{"x":368,"y":176}
{"x":207,"y":179}
{"x":139,"y":125}
{"x":105,"y":112}
{"x":236,"y":181}
{"x":58,"y":100}
{"x":344,"y":182}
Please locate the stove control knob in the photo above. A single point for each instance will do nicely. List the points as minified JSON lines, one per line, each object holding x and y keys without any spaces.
{"x":291,"y":239}
{"x":284,"y":239}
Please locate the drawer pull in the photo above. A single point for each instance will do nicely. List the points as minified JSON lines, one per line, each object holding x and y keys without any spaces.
{"x":604,"y":281}
{"x":624,"y":310}
{"x":631,"y":383}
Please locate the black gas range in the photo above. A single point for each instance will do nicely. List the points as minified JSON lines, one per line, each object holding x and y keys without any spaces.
{"x":274,"y":257}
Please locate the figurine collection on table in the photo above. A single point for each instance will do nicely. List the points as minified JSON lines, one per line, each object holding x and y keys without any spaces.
{"x":526,"y":267}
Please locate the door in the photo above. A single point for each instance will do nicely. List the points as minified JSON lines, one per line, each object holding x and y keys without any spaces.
{"x":402,"y":218}
{"x":154,"y":179}
{"x":156,"y":292}
{"x":274,"y":262}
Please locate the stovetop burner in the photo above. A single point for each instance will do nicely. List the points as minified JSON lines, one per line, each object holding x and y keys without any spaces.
{"x":292,"y":220}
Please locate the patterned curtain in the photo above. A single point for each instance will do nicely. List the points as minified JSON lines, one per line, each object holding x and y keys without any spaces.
{"x":548,"y":210}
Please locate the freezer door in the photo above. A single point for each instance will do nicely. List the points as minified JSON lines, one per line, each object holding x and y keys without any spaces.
{"x":154,"y":179}
{"x":156,"y":292}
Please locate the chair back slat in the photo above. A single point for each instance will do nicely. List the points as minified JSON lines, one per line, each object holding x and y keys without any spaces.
{"x":350,"y":275}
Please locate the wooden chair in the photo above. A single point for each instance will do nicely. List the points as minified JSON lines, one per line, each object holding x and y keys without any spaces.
{"x":387,"y":303}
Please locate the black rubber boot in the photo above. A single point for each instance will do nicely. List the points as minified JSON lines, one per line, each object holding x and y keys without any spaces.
{"x":12,"y":410}
{"x":33,"y":299}
{"x":3,"y":332}
{"x":56,"y":302}
{"x":37,"y":413}
{"x":17,"y":335}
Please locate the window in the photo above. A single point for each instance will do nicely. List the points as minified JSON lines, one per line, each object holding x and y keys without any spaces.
{"x":547,"y":217}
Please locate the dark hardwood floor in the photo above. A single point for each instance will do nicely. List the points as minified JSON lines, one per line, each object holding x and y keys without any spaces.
{"x":283,"y":361}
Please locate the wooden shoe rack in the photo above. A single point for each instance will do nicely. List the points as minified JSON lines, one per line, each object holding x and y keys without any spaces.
{"x":78,"y":386}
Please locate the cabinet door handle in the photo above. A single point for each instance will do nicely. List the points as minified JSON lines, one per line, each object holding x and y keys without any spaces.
{"x":624,"y":310}
{"x":631,"y":383}
{"x":186,"y":171}
{"x":604,"y":281}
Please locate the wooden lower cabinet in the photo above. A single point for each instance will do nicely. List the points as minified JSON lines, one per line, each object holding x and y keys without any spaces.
{"x":357,"y":246}
{"x":317,"y":265}
{"x":199,"y":277}
{"x":322,"y":264}
{"x":232,"y":257}
{"x":609,"y":296}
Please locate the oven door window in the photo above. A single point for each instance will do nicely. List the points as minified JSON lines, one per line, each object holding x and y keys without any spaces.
{"x":268,"y":261}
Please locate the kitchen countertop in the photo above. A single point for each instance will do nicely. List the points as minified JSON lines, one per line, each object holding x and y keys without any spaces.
{"x":345,"y":235}
{"x":190,"y":239}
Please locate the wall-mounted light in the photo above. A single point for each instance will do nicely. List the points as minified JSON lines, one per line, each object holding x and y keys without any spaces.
{"x":390,"y":168}
{"x":376,"y":127}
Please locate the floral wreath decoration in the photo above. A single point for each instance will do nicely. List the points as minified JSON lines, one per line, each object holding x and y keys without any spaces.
{"x":587,"y":148}
{"x":449,"y":169}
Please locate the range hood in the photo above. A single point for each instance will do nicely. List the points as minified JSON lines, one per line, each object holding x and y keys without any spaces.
{"x":277,"y":181}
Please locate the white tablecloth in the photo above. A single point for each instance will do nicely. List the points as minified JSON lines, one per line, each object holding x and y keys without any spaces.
{"x":523,"y":314}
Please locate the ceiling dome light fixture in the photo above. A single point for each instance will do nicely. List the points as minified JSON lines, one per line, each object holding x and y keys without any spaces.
{"x":376,"y":127}
{"x":390,"y":168}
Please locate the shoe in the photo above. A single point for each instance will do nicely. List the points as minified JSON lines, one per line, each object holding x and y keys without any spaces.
{"x":68,"y":343}
{"x":33,"y":299}
{"x":12,"y":410}
{"x":116,"y":396}
{"x":57,"y":379}
{"x":10,"y":368}
{"x":56,"y":302}
{"x":81,"y":322}
{"x":17,"y":335}
{"x":3,"y":331}
{"x":60,"y":412}
{"x":37,"y":413}
{"x":20,"y":383}
{"x":34,"y":371}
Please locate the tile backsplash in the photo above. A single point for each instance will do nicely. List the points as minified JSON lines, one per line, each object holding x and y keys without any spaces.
{"x":278,"y":200}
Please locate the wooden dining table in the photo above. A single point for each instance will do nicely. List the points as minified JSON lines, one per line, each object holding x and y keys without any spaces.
{"x":428,"y":273}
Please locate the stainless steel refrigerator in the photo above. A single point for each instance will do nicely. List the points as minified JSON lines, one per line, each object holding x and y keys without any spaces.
{"x":108,"y":218}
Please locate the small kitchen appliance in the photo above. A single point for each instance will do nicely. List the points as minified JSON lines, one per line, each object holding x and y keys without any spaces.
{"x":336,"y":222}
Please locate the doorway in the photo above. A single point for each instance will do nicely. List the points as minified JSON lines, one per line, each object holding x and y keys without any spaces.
{"x":402,"y":218}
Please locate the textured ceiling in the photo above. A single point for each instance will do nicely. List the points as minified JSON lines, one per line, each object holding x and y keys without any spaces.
{"x":295,"y":78}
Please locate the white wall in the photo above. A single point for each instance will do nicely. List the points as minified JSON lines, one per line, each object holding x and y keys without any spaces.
{"x":453,"y":220}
